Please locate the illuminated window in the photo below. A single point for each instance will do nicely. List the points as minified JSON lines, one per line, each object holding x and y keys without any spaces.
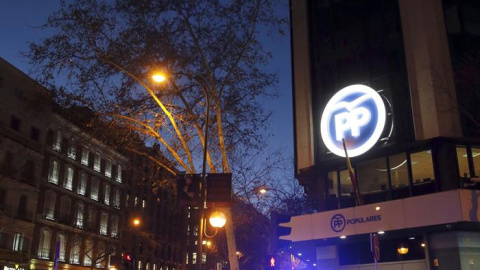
{"x":372,"y":176}
{"x":106,"y":197}
{"x":119,"y":173}
{"x":332,"y":184}
{"x":346,"y":188}
{"x":94,"y":189}
{"x":72,"y":149}
{"x":422,"y":167}
{"x":85,"y":154}
{"x":49,"y":209}
{"x":194,"y":258}
{"x":87,"y":259}
{"x":204,"y":257}
{"x":68,"y":181}
{"x":96,"y":162}
{"x":44,"y":244}
{"x":57,"y":141}
{"x":114,"y":227}
{"x":462,"y":159}
{"x":79,"y":215}
{"x":103,"y":223}
{"x":108,"y":168}
{"x":116,"y":197}
{"x":139,"y":265}
{"x":53,"y":172}
{"x":101,"y":255}
{"x":144,"y":203}
{"x":75,"y":250}
{"x":82,"y":183}
{"x":62,"y":240}
{"x":398,"y":170}
{"x":17,"y":242}
{"x":476,"y":161}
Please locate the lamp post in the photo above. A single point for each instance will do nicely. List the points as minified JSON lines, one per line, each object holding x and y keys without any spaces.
{"x":203,"y":183}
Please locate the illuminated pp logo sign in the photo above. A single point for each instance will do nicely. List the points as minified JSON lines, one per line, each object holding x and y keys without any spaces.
{"x":338,"y":223}
{"x":357,"y":114}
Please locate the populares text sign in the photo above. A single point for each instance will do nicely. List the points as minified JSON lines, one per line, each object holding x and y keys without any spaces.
{"x":456,"y":206}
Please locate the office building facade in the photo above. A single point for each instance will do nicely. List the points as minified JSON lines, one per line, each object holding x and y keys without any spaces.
{"x":67,"y":199}
{"x":396,"y":81}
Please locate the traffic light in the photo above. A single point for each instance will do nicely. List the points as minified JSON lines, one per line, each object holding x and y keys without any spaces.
{"x":276,"y":231}
{"x":127,"y":261}
{"x":271,"y":262}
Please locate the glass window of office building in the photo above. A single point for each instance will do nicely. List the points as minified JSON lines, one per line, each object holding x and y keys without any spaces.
{"x":332,"y":184}
{"x":476,"y":161}
{"x":462,"y":159}
{"x":372,"y":176}
{"x":398,"y":170}
{"x":345,"y":184}
{"x":422,"y":167}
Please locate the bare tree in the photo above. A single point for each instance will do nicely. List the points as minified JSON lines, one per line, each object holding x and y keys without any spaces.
{"x":108,"y":51}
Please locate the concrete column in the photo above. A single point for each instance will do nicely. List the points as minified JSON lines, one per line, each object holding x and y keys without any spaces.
{"x":304,"y":141}
{"x":432,"y":88}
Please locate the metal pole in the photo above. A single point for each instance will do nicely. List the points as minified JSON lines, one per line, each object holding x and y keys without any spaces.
{"x":203,"y":186}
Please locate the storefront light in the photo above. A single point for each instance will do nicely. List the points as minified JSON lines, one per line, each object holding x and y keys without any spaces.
{"x":402,"y":250}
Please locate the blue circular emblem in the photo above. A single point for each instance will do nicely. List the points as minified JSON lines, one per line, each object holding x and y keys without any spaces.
{"x":355,"y":114}
{"x":338,"y":223}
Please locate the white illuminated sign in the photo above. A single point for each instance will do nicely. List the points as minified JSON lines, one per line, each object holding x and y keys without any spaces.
{"x":357,"y":114}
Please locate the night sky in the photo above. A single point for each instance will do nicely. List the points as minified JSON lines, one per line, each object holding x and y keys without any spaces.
{"x":19,"y":19}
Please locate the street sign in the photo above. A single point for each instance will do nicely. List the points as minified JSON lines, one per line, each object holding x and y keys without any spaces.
{"x":188,"y":189}
{"x":219,"y":189}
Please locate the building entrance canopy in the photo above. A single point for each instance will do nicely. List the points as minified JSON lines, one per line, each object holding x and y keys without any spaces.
{"x":433,"y":209}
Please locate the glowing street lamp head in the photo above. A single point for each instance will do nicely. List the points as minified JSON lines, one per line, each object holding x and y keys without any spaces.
{"x":218,"y":219}
{"x":262,"y":190}
{"x":136,"y":221}
{"x":158,"y":77}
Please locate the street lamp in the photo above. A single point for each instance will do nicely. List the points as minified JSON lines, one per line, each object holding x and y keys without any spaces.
{"x":203,"y":185}
{"x":218,"y":219}
{"x":136,"y":222}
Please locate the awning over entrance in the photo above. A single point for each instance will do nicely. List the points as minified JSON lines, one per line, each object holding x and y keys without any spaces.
{"x":432,"y":209}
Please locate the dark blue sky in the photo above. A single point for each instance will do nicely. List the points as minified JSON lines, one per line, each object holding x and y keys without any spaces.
{"x":19,"y":19}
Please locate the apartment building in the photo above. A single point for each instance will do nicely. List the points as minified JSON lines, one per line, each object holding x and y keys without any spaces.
{"x":67,"y":198}
{"x":21,"y":162}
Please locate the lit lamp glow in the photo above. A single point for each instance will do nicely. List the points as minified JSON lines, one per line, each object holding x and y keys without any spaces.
{"x":159,"y":77}
{"x":262,"y":190}
{"x":217,"y":219}
{"x":402,"y":250}
{"x":136,"y":221}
